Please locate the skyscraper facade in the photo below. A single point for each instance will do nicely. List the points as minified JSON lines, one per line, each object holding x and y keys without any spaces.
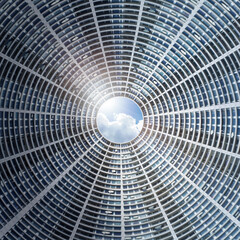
{"x":179,"y":61}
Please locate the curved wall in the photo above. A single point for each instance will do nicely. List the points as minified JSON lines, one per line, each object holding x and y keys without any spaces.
{"x":60,"y":61}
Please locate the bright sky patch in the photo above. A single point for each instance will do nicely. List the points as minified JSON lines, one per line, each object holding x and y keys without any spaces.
{"x":119,"y":120}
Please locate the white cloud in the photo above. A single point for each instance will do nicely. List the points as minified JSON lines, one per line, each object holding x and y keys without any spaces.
{"x":124,"y":127}
{"x":140,"y":125}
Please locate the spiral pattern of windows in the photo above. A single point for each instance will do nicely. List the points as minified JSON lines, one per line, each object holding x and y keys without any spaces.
{"x":179,"y":61}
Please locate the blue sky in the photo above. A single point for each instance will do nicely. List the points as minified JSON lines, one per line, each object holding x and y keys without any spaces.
{"x":119,"y":119}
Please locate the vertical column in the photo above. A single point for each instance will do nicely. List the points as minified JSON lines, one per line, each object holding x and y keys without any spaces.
{"x":122,"y":202}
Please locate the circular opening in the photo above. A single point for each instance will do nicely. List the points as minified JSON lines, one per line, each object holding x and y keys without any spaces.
{"x":119,"y":119}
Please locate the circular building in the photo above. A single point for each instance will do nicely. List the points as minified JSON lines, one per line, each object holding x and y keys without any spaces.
{"x":63,"y":176}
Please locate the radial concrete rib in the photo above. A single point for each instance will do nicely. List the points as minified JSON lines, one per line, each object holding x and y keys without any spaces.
{"x":190,"y":17}
{"x":35,"y":112}
{"x":30,"y":205}
{"x":100,"y":37}
{"x":44,"y":21}
{"x":37,"y":74}
{"x":215,"y":203}
{"x":236,"y":48}
{"x":86,"y":202}
{"x":122,"y":198}
{"x":205,"y":108}
{"x":159,"y":203}
{"x":37,"y":148}
{"x":135,"y":37}
{"x":203,"y":145}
